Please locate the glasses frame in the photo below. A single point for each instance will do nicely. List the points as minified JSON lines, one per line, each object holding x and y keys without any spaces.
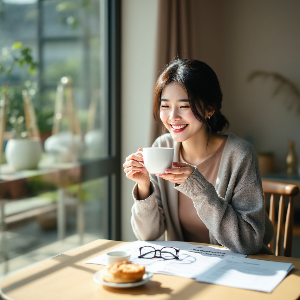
{"x":159,"y":251}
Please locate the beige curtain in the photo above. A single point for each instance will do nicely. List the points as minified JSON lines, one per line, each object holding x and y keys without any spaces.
{"x":174,"y":38}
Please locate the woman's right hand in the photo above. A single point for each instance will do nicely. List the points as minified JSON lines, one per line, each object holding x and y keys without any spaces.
{"x":135,"y":171}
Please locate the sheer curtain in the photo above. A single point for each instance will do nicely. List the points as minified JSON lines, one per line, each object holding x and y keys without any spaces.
{"x":175,"y":38}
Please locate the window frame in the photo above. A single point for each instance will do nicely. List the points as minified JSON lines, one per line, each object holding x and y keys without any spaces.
{"x":109,"y":166}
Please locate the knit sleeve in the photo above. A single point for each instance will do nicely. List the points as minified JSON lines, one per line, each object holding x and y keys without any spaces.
{"x":236,"y":223}
{"x":147,"y":218}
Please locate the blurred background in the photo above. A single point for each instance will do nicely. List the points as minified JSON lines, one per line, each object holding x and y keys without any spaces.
{"x":89,"y":68}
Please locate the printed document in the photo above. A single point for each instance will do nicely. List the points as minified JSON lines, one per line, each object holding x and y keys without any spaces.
{"x":193,"y":259}
{"x":246,"y":273}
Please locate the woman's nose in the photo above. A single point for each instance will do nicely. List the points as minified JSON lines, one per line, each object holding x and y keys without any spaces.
{"x":174,"y":116}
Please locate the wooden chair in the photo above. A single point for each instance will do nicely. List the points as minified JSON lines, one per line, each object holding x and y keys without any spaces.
{"x":282,"y":189}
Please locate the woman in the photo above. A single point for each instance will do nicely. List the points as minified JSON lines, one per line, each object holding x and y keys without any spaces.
{"x":213,"y":193}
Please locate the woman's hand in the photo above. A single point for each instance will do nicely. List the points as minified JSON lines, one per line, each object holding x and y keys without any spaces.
{"x":134,"y":169}
{"x":179,"y":173}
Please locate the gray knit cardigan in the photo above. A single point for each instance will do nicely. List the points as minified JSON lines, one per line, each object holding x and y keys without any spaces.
{"x":233,"y":210}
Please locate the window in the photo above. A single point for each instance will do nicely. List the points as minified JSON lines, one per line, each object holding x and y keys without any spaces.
{"x":74,"y":200}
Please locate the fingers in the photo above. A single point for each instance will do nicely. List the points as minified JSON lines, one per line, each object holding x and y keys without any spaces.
{"x":132,"y":168}
{"x":176,"y":171}
{"x":177,"y":174}
{"x":132,"y":163}
{"x":138,"y":156}
{"x":139,"y":152}
{"x":180,"y":165}
{"x":131,"y":173}
{"x":175,"y":178}
{"x":186,"y":169}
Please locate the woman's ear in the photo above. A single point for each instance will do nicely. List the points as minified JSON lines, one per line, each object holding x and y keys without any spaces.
{"x":209,"y":114}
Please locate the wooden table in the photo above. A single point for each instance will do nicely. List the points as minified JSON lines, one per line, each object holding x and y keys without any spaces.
{"x":67,"y":277}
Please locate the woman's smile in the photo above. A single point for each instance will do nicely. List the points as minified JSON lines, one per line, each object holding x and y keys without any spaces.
{"x":178,"y":127}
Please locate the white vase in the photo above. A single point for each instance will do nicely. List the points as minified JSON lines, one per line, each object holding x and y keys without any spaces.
{"x":65,"y":146}
{"x":94,"y":143}
{"x":23,"y":154}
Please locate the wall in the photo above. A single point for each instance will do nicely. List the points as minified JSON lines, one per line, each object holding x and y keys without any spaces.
{"x":138,"y":56}
{"x":237,"y":37}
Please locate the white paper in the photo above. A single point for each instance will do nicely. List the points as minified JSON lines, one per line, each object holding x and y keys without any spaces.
{"x":193,"y":259}
{"x":246,"y":273}
{"x":211,"y":251}
{"x":190,"y":265}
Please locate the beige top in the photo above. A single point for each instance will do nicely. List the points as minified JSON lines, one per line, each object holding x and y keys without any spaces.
{"x":193,"y":228}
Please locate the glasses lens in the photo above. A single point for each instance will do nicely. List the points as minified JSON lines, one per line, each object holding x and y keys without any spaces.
{"x":147,"y":252}
{"x":168,"y":253}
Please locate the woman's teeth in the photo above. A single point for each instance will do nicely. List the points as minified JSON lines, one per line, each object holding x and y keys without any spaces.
{"x":178,"y":127}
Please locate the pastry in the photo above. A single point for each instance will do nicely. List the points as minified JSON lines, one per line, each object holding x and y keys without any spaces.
{"x":123,"y":272}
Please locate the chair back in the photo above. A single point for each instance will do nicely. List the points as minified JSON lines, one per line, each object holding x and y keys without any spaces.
{"x":282,"y":189}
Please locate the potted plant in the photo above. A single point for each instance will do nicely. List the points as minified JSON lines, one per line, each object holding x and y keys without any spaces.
{"x":22,"y":152}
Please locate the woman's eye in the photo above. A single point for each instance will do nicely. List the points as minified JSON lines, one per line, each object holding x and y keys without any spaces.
{"x":187,"y":106}
{"x":164,"y":106}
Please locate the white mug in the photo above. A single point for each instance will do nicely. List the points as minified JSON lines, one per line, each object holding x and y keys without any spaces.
{"x":158,"y":159}
{"x":116,"y":256}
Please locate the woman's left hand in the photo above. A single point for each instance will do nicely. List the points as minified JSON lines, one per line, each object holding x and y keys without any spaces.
{"x":178,"y":174}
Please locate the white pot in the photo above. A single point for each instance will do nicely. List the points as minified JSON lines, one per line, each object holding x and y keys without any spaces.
{"x":94,"y":143}
{"x":23,"y":154}
{"x":66,"y":146}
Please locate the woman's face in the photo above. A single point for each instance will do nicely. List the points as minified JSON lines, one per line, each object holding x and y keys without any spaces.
{"x":176,"y":113}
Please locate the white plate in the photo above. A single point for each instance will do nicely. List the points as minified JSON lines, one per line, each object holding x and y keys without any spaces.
{"x":98,"y":279}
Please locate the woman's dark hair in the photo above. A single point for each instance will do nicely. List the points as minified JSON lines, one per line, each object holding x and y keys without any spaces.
{"x":202,"y":87}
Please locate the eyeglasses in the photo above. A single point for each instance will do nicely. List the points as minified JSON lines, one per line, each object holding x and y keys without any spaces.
{"x":165,"y":252}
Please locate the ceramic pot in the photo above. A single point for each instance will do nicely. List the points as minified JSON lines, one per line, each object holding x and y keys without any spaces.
{"x":65,"y":146}
{"x":23,"y":154}
{"x":94,"y":143}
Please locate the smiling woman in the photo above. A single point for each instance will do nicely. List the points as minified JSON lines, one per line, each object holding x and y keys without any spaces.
{"x":217,"y":197}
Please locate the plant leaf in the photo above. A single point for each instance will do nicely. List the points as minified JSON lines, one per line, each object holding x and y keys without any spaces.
{"x":17,"y":45}
{"x":31,"y":71}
